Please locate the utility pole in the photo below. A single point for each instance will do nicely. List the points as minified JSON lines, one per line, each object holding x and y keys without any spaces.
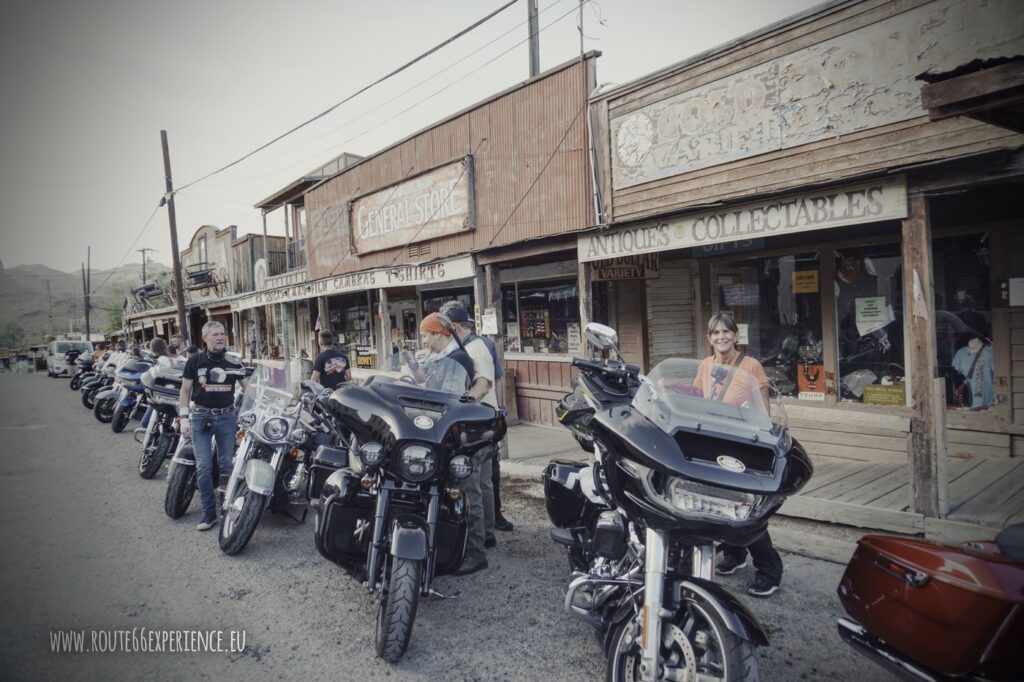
{"x":49,"y":305}
{"x":86,"y":283}
{"x":179,"y":291}
{"x":143,"y":252}
{"x":531,"y":14}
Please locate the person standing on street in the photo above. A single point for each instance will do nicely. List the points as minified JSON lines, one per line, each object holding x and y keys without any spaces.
{"x":468,"y":335}
{"x":330,"y":368}
{"x":751,"y":387}
{"x":209,"y":382}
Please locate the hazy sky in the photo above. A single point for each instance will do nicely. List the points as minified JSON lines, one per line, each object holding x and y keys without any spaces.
{"x":87,"y":85}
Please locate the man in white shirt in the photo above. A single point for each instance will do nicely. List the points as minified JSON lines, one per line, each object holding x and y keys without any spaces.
{"x":479,"y":485}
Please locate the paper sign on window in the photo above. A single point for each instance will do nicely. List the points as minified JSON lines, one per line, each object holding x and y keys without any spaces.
{"x":489,"y":324}
{"x":871,"y":314}
{"x":805,"y":282}
{"x":742,"y":339}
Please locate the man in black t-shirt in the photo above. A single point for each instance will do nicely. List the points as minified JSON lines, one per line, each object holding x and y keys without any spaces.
{"x":208,"y":381}
{"x":331,"y":368}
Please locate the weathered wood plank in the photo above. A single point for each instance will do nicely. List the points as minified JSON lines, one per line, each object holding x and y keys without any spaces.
{"x":825,"y":473}
{"x":849,"y":417}
{"x":839,"y":428}
{"x":952,"y":532}
{"x":974,"y":450}
{"x":869,"y":492}
{"x":994,"y":496}
{"x":865,"y":476}
{"x":896,"y":444}
{"x":979,"y":438}
{"x":853,"y":452}
{"x":896,"y":500}
{"x":853,"y":514}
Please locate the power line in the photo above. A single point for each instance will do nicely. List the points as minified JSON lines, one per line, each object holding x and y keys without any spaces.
{"x":355,"y":94}
{"x":129,"y":250}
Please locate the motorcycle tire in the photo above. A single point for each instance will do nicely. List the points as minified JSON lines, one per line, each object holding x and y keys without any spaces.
{"x":153,"y":458}
{"x":397,"y":609}
{"x":103,"y":410}
{"x":725,"y":655}
{"x":236,"y":531}
{"x":75,"y":383}
{"x":89,"y":398}
{"x":120,"y":419}
{"x":181,"y":488}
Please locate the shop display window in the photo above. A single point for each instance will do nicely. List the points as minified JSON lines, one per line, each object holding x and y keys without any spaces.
{"x":869,"y":321}
{"x":776,"y":302}
{"x":433,"y":301}
{"x":545,"y":319}
{"x":963,"y":320}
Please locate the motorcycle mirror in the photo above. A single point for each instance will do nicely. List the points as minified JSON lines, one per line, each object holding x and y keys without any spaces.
{"x":601,"y":336}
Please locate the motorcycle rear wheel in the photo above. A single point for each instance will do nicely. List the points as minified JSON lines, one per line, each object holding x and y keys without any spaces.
{"x":181,"y":487}
{"x":238,"y":525}
{"x":397,"y":609}
{"x":718,"y":654}
{"x":120,"y":419}
{"x":103,"y":410}
{"x":153,"y":457}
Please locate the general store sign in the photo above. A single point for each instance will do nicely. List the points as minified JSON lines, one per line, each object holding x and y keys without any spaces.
{"x":884,"y":199}
{"x":646,"y":266}
{"x":381,"y":278}
{"x":433,"y":204}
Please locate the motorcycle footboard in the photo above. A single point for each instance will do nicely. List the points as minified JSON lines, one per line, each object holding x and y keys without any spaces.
{"x":882,"y":654}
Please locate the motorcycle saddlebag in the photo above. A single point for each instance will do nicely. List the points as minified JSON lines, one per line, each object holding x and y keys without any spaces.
{"x":563,"y":496}
{"x":326,"y":460}
{"x":941,"y":606}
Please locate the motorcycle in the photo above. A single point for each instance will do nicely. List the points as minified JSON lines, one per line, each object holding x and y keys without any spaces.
{"x":159,"y":439}
{"x":133,"y":394}
{"x":393,"y":516}
{"x":122,"y":392}
{"x":103,"y":380}
{"x":927,"y":611}
{"x":271,"y":465}
{"x":675,"y":470}
{"x":83,"y":365}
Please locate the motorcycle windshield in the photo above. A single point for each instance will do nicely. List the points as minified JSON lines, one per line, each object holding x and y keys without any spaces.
{"x":707,"y":396}
{"x":447,"y":371}
{"x":274,"y":388}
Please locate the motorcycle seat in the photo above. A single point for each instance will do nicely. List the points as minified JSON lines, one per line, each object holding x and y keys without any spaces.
{"x":1011,"y":541}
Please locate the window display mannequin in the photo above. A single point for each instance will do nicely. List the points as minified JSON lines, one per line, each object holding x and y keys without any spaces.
{"x":974,"y":362}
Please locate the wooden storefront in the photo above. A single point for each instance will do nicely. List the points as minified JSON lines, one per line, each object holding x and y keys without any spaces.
{"x":793,"y":178}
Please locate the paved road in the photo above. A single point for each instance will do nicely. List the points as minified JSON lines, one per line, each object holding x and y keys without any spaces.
{"x":86,"y":546}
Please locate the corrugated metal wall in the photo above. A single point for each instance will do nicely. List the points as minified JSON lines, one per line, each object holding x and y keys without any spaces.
{"x":531,"y":166}
{"x":671,"y":331}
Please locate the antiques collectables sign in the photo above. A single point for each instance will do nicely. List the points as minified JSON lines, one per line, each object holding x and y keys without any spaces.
{"x":430,"y":205}
{"x":882,"y":199}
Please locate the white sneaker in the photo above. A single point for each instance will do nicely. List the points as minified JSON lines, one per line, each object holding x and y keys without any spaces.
{"x":206,"y":525}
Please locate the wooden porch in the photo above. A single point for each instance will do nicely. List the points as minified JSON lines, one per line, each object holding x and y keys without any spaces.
{"x":984,"y":491}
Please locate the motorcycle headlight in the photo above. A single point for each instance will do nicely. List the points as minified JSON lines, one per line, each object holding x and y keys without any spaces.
{"x":417,"y":463}
{"x":297,"y":437}
{"x":247,"y":420}
{"x":371,"y":454}
{"x":705,"y":500}
{"x":275,"y":428}
{"x":460,"y":467}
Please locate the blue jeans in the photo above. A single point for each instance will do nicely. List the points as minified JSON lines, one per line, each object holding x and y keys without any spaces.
{"x":221,"y":427}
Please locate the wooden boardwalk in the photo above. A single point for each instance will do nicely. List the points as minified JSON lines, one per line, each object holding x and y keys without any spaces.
{"x":982,"y":490}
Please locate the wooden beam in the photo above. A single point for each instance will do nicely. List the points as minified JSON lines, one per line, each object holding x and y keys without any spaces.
{"x":986,"y":82}
{"x":585,"y":284}
{"x":919,"y":304}
{"x":857,"y":515}
{"x":521,"y":251}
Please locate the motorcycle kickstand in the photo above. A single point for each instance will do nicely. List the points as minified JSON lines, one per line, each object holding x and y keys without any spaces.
{"x":435,"y":593}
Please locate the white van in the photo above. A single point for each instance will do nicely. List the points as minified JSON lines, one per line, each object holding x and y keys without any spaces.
{"x":55,"y":365}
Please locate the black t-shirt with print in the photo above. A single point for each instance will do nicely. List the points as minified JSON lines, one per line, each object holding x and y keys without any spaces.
{"x":213,"y":379}
{"x":332,"y":365}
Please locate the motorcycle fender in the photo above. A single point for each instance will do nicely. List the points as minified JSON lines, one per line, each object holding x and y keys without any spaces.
{"x":259,"y":477}
{"x":733,"y":613}
{"x":107,"y":393}
{"x":185,"y":455}
{"x":128,"y":400}
{"x":408,"y":543}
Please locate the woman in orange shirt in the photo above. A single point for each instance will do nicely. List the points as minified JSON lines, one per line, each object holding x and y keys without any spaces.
{"x":749,"y":389}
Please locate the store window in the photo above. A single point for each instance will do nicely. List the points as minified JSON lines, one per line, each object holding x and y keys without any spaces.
{"x":963,"y":320}
{"x":869,"y":320}
{"x":433,"y":300}
{"x":776,"y":302}
{"x":510,"y":311}
{"x":546,"y":318}
{"x":353,"y":325}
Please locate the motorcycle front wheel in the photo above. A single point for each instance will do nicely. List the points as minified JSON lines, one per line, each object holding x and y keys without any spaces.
{"x":397,"y":609}
{"x":181,"y":487}
{"x":89,"y":398}
{"x":120,"y":418}
{"x":241,"y":518}
{"x":153,"y":456}
{"x":75,"y":383}
{"x":695,"y":644}
{"x":103,"y":410}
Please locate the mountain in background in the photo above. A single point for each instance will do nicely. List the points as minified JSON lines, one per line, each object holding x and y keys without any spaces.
{"x":23,"y":299}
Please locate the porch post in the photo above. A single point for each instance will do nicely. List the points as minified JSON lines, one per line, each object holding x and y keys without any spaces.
{"x":928,"y":479}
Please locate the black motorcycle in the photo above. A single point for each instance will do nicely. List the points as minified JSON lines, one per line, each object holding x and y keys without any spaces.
{"x":394,"y":516}
{"x":159,"y":438}
{"x":83,"y":370}
{"x":676,"y":469}
{"x":103,"y":380}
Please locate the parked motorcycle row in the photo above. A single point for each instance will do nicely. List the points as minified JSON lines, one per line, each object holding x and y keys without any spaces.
{"x":673,"y":470}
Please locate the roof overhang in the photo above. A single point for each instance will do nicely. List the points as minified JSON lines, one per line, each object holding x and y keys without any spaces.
{"x":991,"y":91}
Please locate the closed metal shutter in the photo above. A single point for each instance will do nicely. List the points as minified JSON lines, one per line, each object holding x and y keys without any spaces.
{"x":670,"y":312}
